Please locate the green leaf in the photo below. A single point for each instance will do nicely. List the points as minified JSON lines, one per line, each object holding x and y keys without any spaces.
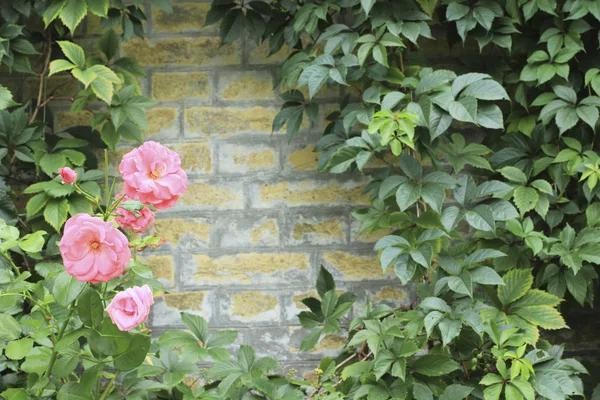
{"x":73,"y":13}
{"x":197,"y":325}
{"x":56,"y":212}
{"x":449,"y":330}
{"x":108,"y":43}
{"x":525,"y":199}
{"x":516,"y":283}
{"x":481,"y":218}
{"x":589,"y":115}
{"x":98,"y":7}
{"x":487,"y":89}
{"x":18,"y":349}
{"x":566,"y":118}
{"x":35,"y":204}
{"x":33,"y":242}
{"x":543,"y":316}
{"x":513,"y":174}
{"x":109,"y":135}
{"x":6,"y":98}
{"x":86,"y":77}
{"x":407,"y":194}
{"x":135,"y":353}
{"x":464,"y":110}
{"x":73,"y":52}
{"x":380,"y":55}
{"x":90,"y":308}
{"x":367,"y":5}
{"x":434,"y":365}
{"x":50,"y":163}
{"x":490,"y":116}
{"x":486,"y":276}
{"x":10,"y":328}
{"x":66,"y":288}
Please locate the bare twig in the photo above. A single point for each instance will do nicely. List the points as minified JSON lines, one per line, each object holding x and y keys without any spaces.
{"x":42,"y":79}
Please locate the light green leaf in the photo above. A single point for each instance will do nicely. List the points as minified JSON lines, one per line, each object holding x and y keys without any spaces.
{"x":525,"y":198}
{"x":543,"y":316}
{"x":516,"y":283}
{"x":73,"y":52}
{"x":73,"y":13}
{"x":10,"y":328}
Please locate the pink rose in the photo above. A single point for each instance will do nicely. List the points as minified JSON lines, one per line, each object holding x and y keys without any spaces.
{"x":68,"y":175}
{"x":129,"y":221}
{"x":131,"y":307}
{"x":93,"y":250}
{"x":152,"y":174}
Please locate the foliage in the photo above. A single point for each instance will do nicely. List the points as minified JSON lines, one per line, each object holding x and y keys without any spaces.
{"x":483,"y":181}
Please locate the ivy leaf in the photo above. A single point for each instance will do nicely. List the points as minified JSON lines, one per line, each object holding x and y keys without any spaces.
{"x":487,"y":89}
{"x":73,"y":52}
{"x":543,"y":316}
{"x":566,"y":118}
{"x":434,"y":365}
{"x":490,"y":116}
{"x":367,"y":5}
{"x":516,"y":283}
{"x":481,"y":218}
{"x":73,"y":13}
{"x":464,"y":110}
{"x":525,"y":199}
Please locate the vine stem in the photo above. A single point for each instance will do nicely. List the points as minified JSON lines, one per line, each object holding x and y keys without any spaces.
{"x":109,"y":387}
{"x":54,"y":355}
{"x":42,"y":80}
{"x":12,"y":264}
{"x":340,"y":365}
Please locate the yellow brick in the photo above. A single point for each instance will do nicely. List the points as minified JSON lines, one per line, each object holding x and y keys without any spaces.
{"x":260,"y":54}
{"x":200,"y":194}
{"x":69,"y":119}
{"x":243,"y":267}
{"x":208,"y":121}
{"x":246,"y":86}
{"x":195,"y":157}
{"x":264,"y":232}
{"x":160,"y":118}
{"x":251,"y":304}
{"x":330,"y":342}
{"x":186,"y":17}
{"x":172,"y":229}
{"x":196,"y":51}
{"x":328,"y":228}
{"x":306,"y":192}
{"x":186,"y":300}
{"x":390,"y":293}
{"x":304,"y":159}
{"x":172,"y":86}
{"x":354,"y":267}
{"x":59,"y":86}
{"x":255,"y":160}
{"x":162,"y":267}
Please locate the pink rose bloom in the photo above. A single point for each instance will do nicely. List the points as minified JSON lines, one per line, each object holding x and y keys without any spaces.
{"x":129,"y":221}
{"x":152,"y":174}
{"x":93,"y":250}
{"x":131,"y":307}
{"x":68,"y":175}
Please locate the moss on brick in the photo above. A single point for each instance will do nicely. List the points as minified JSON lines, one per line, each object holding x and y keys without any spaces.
{"x":251,"y":304}
{"x":186,"y":17}
{"x":243,"y":267}
{"x":174,"y":86}
{"x":182,"y":51}
{"x":186,"y":301}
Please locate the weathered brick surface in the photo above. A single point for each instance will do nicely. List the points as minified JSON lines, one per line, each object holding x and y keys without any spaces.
{"x":245,"y":243}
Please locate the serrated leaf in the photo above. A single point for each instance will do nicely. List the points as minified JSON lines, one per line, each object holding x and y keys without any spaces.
{"x":56,"y":212}
{"x":516,"y":283}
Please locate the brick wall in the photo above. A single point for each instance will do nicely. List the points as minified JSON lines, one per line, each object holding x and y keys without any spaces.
{"x":258,"y":220}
